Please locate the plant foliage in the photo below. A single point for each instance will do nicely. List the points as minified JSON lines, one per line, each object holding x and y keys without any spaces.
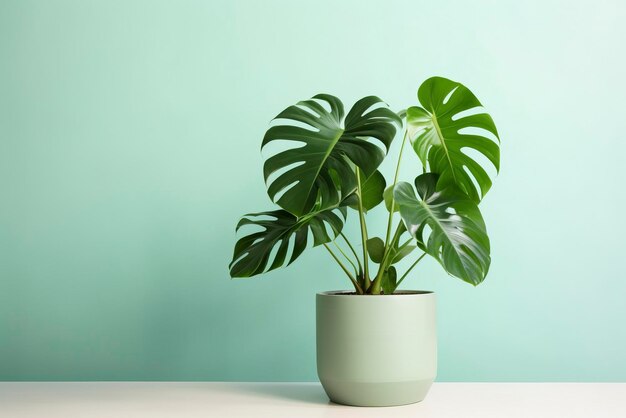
{"x":329,"y":162}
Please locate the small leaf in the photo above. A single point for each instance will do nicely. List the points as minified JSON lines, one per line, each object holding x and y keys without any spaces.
{"x":371,"y":191}
{"x":401,"y":253}
{"x":389,"y":280}
{"x":376,"y":249}
{"x":388,"y":196}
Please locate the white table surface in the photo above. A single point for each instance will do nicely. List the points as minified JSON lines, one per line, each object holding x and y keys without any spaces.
{"x":303,"y":400}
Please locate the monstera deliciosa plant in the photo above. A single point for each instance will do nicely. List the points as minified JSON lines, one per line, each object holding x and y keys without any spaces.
{"x":331,"y":168}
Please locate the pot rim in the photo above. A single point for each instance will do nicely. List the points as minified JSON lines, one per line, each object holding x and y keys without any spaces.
{"x":348,"y":293}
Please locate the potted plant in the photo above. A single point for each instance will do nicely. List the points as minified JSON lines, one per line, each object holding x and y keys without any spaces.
{"x":376,"y":346}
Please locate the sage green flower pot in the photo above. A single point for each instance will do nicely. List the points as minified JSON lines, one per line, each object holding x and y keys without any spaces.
{"x":376,"y":350}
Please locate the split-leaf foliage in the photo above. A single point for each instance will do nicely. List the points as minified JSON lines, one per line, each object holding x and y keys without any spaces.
{"x":327,"y":167}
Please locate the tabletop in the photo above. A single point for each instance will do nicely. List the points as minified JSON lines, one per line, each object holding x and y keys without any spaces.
{"x":303,"y":400}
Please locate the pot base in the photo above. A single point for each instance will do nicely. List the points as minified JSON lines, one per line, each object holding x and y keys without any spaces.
{"x":376,"y":394}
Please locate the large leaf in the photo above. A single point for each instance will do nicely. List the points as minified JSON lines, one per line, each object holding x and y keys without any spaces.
{"x":458,"y":238}
{"x":278,"y":228}
{"x":439,"y":133}
{"x":319,"y":171}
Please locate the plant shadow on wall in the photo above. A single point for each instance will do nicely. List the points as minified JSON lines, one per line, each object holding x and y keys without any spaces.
{"x":331,"y":168}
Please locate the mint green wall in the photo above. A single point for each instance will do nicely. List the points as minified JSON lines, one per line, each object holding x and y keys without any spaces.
{"x":129,"y":147}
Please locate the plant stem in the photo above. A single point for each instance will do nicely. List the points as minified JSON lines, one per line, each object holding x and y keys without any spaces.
{"x":410,"y":268}
{"x":395,"y":180}
{"x":366,"y":276}
{"x":376,"y":285}
{"x":397,"y":234}
{"x":353,"y":252}
{"x":346,"y":257}
{"x":393,"y":243}
{"x":350,"y":276}
{"x":407,"y":242}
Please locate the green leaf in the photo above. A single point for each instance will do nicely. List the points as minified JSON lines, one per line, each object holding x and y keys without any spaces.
{"x":388,"y":196}
{"x":400,"y":253}
{"x":439,"y":133}
{"x":318,"y":172}
{"x":371,"y":191}
{"x":376,"y":249}
{"x":389,"y":280}
{"x":458,"y":238}
{"x":419,"y":237}
{"x":279,"y":228}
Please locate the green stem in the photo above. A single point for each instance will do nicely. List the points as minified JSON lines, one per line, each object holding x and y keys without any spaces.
{"x":393,"y":243}
{"x":407,"y":242}
{"x":350,"y":276}
{"x":346,"y":257}
{"x":366,"y":276}
{"x":377,"y":283}
{"x":395,"y":180}
{"x":353,"y":251}
{"x":410,"y":268}
{"x":397,"y":234}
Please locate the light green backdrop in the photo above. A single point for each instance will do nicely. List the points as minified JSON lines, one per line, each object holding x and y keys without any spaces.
{"x":129,"y":147}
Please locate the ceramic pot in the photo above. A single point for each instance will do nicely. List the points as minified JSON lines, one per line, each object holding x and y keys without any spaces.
{"x":376,"y":350}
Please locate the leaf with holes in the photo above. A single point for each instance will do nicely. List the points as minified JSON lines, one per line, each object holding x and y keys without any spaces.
{"x":278,"y":228}
{"x":318,"y":172}
{"x":451,"y":119}
{"x":458,"y":238}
